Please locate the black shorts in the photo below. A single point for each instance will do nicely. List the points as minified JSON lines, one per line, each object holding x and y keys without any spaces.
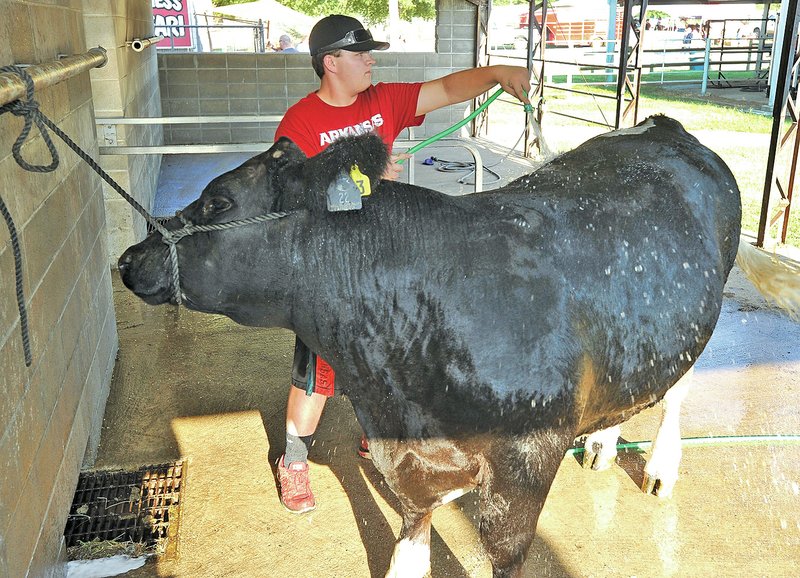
{"x":310,"y":372}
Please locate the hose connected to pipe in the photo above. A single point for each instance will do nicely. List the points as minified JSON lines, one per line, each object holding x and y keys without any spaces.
{"x":527,"y":107}
{"x":455,"y":127}
{"x":139,"y":44}
{"x":708,"y":441}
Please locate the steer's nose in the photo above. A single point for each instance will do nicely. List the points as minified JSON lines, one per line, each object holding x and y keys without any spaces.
{"x":124,"y":263}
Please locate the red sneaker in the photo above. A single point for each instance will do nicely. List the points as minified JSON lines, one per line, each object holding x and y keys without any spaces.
{"x":295,"y":487}
{"x":363,"y":448}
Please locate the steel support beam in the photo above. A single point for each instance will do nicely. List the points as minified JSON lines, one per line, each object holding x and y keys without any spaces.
{"x":780,"y":139}
{"x":535,"y":62}
{"x":629,"y":74}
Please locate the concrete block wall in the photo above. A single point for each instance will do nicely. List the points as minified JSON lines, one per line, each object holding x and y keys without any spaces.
{"x":50,"y":410}
{"x":126,"y":87}
{"x":267,"y":84}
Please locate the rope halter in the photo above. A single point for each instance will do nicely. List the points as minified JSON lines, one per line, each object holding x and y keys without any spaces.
{"x":171,"y":238}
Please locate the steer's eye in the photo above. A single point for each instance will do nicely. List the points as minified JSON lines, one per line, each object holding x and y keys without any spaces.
{"x":216,"y":205}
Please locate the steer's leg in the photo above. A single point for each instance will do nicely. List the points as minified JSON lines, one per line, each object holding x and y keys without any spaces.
{"x":661,"y":471}
{"x":513,"y":493}
{"x":600,"y":449}
{"x":412,"y":552}
{"x":423,"y":474}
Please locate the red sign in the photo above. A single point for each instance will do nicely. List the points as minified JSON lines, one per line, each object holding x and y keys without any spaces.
{"x":170,"y":18}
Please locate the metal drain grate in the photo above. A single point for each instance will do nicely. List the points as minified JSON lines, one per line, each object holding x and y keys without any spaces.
{"x":126,"y":506}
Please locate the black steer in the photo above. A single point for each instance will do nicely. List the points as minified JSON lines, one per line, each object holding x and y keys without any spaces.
{"x":476,"y":336}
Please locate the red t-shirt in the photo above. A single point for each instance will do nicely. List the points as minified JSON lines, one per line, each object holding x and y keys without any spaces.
{"x":386,"y":108}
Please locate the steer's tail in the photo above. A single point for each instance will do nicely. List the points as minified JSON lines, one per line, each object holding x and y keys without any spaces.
{"x":777,"y":280}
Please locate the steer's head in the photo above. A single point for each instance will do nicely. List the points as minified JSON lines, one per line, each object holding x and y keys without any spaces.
{"x":237,"y":269}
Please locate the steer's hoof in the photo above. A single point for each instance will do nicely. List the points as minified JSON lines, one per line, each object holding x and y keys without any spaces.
{"x":657,"y":486}
{"x":589,"y":458}
{"x":600,"y":449}
{"x":597,"y":460}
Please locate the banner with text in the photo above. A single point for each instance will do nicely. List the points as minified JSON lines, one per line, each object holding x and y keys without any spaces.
{"x":170,"y":18}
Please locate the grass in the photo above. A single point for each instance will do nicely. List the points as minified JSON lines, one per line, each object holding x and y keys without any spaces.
{"x":740,"y":136}
{"x":106,"y":548}
{"x":656,"y":76}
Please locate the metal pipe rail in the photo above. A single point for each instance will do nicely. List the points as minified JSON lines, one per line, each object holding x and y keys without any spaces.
{"x":726,"y":50}
{"x":191,"y":119}
{"x":12,"y":87}
{"x":139,"y":44}
{"x":590,"y":121}
{"x":261,"y":147}
{"x":249,"y":147}
{"x":579,"y":64}
{"x":579,"y":91}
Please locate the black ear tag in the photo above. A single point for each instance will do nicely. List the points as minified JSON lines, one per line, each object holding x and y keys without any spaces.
{"x":343,"y":193}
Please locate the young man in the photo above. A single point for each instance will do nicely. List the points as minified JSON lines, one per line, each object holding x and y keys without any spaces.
{"x":348,"y":103}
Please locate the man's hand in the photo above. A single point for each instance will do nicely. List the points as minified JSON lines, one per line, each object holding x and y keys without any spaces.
{"x":393,"y":168}
{"x":515,"y":80}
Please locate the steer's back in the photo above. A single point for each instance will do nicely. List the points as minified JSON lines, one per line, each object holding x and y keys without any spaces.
{"x":593,"y":284}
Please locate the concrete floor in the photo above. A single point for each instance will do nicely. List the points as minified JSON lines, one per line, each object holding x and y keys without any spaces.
{"x":201,"y":388}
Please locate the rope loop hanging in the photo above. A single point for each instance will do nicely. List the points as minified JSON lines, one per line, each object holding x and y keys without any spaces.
{"x":29,"y":110}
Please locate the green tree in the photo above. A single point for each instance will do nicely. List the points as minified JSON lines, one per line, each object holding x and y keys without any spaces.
{"x":657,"y":14}
{"x":229,"y":2}
{"x":371,"y":10}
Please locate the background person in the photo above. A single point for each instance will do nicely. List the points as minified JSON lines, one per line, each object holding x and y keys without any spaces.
{"x":348,"y":103}
{"x":285,"y":44}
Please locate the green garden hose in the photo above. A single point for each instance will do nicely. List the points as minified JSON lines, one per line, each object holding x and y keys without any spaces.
{"x":458,"y":125}
{"x":528,"y":108}
{"x":709,"y":441}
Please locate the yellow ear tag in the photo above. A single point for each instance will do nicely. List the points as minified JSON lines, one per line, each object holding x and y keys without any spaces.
{"x":361,"y":180}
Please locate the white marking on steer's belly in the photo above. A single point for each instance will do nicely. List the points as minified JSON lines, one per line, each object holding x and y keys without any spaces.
{"x":449,"y":497}
{"x":410,"y":560}
{"x":639,"y":129}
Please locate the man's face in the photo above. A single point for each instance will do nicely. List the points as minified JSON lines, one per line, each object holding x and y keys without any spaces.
{"x":355,"y":69}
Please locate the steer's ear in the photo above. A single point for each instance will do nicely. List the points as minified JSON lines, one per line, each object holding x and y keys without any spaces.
{"x":368,"y":152}
{"x":284,"y":162}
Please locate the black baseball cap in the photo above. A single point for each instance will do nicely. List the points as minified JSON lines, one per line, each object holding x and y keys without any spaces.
{"x":339,"y":32}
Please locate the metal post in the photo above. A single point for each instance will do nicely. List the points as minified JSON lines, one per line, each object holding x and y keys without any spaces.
{"x":12,"y":87}
{"x":761,"y":37}
{"x":704,"y":86}
{"x":777,"y":46}
{"x":611,"y":40}
{"x":787,"y":62}
{"x":483,"y":13}
{"x":630,"y":50}
{"x":536,"y":53}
